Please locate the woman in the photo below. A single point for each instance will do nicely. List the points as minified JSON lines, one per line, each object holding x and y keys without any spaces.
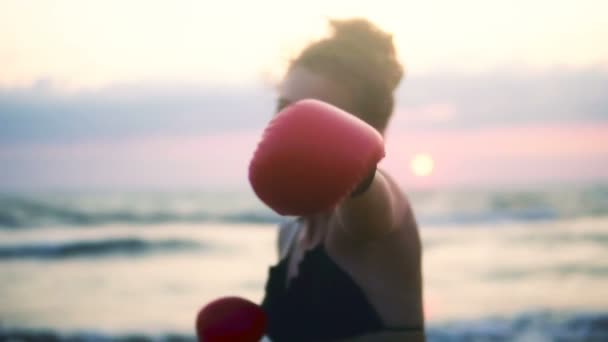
{"x":354,"y":271}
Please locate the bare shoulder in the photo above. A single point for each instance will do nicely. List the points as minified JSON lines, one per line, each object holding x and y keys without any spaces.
{"x":396,"y":190}
{"x":403,"y":222}
{"x":407,"y":219}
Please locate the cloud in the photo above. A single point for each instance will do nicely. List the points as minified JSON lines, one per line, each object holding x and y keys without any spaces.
{"x":503,"y":97}
{"x":44,"y":114}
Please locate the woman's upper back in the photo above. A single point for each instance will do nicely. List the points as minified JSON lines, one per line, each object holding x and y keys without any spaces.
{"x":380,"y":279}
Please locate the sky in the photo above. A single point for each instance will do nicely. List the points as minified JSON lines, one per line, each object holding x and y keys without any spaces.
{"x":175,"y":94}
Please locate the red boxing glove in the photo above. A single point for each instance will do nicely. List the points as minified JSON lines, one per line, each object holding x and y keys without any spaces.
{"x":311,"y":156}
{"x":231,"y":319}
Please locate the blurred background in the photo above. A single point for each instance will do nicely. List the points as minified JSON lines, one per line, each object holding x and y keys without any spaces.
{"x":126,"y":129}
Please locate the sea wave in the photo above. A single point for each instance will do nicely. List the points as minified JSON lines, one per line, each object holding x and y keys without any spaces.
{"x":95,"y":248}
{"x":566,"y":270}
{"x":29,"y":212}
{"x":534,"y":326}
{"x":431,"y":208}
{"x":49,"y":335}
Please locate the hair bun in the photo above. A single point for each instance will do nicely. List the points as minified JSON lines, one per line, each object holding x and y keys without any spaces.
{"x":363,"y":32}
{"x":372,"y":43}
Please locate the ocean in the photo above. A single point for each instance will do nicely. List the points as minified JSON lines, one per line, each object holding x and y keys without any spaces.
{"x":499,"y":265}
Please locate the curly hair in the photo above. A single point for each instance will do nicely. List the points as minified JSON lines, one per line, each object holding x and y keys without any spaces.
{"x":359,"y":56}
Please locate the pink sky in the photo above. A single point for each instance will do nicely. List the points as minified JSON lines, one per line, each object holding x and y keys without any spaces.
{"x":517,"y":155}
{"x":491,"y":156}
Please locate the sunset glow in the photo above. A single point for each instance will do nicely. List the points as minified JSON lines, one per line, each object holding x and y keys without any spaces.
{"x":422,"y":165}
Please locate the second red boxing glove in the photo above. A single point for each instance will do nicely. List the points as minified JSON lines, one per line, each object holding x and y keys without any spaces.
{"x":230,"y":319}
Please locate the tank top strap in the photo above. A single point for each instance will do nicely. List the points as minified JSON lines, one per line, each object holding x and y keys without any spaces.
{"x":287,"y":236}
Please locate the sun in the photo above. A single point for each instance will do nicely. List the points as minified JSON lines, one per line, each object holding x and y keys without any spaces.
{"x":422,"y":165}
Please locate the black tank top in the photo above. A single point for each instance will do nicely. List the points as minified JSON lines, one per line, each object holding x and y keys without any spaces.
{"x":321,"y":303}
